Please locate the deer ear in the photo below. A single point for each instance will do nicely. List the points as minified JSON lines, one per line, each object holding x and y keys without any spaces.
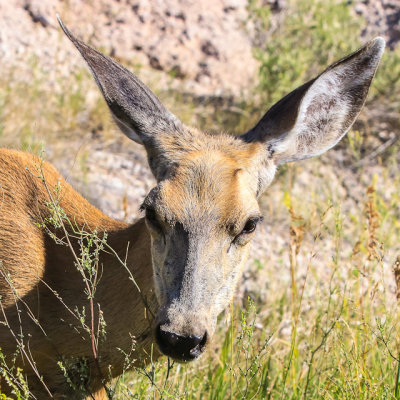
{"x":135,"y":108}
{"x":314,"y":117}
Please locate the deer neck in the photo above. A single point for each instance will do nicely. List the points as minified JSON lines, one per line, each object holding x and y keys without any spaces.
{"x":126,"y":289}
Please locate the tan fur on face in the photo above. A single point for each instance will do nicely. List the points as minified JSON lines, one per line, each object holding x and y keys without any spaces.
{"x":203,"y":203}
{"x":217,"y":175}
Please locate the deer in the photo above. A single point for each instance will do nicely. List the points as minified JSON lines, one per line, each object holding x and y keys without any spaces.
{"x":185,"y":255}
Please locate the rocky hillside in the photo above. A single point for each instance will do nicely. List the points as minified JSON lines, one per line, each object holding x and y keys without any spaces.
{"x":383,"y":18}
{"x":205,"y":44}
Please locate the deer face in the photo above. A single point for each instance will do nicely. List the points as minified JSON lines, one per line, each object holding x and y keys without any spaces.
{"x":203,"y":212}
{"x":201,"y":217}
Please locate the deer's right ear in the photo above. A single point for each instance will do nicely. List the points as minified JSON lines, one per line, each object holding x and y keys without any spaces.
{"x":135,"y":108}
{"x":315,"y":116}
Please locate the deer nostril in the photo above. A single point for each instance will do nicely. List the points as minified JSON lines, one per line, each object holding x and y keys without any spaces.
{"x":184,"y":348}
{"x":169,"y":337}
{"x":199,"y":344}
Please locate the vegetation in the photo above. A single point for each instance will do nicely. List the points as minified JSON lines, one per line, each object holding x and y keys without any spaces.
{"x":321,"y":320}
{"x":310,"y":37}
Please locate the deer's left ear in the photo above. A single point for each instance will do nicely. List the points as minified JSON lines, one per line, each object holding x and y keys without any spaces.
{"x":315,"y":116}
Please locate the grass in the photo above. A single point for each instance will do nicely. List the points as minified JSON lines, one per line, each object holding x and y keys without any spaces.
{"x":322,"y":319}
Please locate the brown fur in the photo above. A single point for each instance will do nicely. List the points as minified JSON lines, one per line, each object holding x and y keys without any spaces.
{"x":34,"y":262}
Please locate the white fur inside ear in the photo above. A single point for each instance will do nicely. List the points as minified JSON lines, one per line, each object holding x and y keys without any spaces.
{"x":324,"y":112}
{"x":315,"y":116}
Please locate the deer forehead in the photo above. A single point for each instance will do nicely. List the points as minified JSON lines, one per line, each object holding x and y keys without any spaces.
{"x":211,"y":185}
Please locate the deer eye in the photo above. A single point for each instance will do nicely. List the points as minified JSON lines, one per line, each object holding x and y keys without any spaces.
{"x":250,"y":225}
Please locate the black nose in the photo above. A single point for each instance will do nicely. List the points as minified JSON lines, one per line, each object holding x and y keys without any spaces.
{"x":179,"y":347}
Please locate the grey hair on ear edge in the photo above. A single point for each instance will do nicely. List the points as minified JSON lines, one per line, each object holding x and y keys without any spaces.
{"x":314,"y":117}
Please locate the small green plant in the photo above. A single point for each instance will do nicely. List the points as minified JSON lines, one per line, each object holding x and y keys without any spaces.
{"x":14,"y":378}
{"x":76,"y":372}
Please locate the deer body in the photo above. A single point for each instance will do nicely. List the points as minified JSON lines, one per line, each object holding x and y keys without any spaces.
{"x":32,"y":258}
{"x":185,"y":256}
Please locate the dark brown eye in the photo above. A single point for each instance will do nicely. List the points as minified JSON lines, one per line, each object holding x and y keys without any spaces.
{"x":250,"y":226}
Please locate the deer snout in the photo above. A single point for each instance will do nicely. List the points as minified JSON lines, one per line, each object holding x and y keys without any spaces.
{"x":180,"y":347}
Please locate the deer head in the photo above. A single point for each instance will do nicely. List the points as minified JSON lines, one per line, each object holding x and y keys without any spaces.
{"x":204,"y":210}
